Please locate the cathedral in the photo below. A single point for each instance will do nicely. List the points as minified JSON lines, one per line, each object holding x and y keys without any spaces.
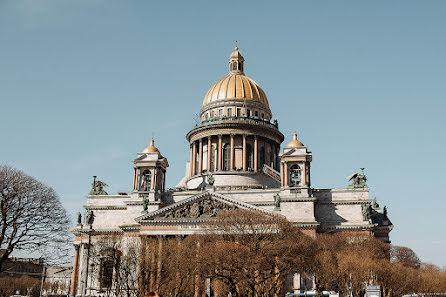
{"x":236,"y":162}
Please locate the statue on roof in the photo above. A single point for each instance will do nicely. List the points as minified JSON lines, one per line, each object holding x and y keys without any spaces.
{"x":145,"y":203}
{"x":98,"y":187}
{"x":79,"y":218}
{"x":358,"y":180}
{"x":210,"y":179}
{"x":89,"y":217}
{"x":277,"y":201}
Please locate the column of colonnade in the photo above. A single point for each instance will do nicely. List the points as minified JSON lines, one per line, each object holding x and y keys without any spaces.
{"x":197,"y":154}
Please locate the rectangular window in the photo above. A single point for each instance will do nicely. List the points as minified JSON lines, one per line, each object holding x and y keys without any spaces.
{"x":220,"y":112}
{"x":229,"y":112}
{"x":212,"y":113}
{"x":239,"y":112}
{"x":263,"y":115}
{"x":256,"y":113}
{"x":106,"y":273}
{"x":248,"y":112}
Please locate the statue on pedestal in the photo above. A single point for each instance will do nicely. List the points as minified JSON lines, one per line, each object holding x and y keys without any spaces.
{"x":277,"y":201}
{"x":358,"y":180}
{"x":98,"y":187}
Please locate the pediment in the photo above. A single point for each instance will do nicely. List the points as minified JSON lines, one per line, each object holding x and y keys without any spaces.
{"x":201,"y":207}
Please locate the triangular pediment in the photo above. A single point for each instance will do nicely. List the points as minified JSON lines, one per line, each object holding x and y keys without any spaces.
{"x":200,"y":207}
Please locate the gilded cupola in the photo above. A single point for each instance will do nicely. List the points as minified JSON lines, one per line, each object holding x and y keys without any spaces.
{"x":236,"y":86}
{"x":151,"y":148}
{"x":294,"y":142}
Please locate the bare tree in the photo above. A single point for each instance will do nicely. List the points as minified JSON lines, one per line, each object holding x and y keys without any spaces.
{"x":32,"y":217}
{"x":116,"y":262}
{"x":252,"y":253}
{"x":405,"y":256}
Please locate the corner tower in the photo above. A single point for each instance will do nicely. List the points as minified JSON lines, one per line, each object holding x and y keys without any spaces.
{"x":236,"y":140}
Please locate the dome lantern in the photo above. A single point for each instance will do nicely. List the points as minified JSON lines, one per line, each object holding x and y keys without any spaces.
{"x":236,"y":61}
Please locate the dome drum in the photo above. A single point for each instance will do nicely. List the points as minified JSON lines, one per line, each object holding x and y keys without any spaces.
{"x":233,"y":108}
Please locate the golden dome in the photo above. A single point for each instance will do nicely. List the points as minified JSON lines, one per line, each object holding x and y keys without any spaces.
{"x":237,"y":87}
{"x":294,"y":142}
{"x":151,"y":148}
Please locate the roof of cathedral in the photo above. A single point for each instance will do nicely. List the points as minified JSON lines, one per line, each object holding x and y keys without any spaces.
{"x":151,"y":148}
{"x":236,"y":85}
{"x":294,"y":142}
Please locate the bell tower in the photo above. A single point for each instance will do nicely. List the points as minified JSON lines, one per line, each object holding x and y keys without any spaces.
{"x":295,"y":165}
{"x":149,"y":178}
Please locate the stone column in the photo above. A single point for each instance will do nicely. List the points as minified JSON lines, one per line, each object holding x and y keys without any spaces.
{"x":244,"y":152}
{"x":286,"y":174}
{"x":282,"y":173}
{"x":134,"y":179}
{"x":304,"y":175}
{"x":200,"y":156}
{"x":75,"y":272}
{"x":209,"y":154}
{"x":232,"y":153}
{"x":194,"y":158}
{"x":152,"y":182}
{"x":191,"y":160}
{"x":255,"y":152}
{"x":219,"y":152}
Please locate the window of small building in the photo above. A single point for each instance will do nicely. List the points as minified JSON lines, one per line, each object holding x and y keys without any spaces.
{"x":239,"y":112}
{"x":146,"y":180}
{"x":295,"y":175}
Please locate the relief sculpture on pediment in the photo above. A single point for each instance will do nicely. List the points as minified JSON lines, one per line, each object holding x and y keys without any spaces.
{"x":199,"y":209}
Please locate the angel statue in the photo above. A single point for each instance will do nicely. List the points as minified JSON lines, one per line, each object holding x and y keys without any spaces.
{"x":98,"y":187}
{"x":358,"y":180}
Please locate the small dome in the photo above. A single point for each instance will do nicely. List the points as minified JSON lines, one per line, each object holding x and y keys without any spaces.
{"x":151,"y":148}
{"x":294,"y":142}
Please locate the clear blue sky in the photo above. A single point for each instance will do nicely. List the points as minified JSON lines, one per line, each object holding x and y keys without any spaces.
{"x":83,"y":84}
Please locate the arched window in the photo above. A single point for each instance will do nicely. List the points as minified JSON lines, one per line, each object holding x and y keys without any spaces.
{"x":146,"y":180}
{"x":295,"y":175}
{"x":226,"y":156}
{"x":249,"y":157}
